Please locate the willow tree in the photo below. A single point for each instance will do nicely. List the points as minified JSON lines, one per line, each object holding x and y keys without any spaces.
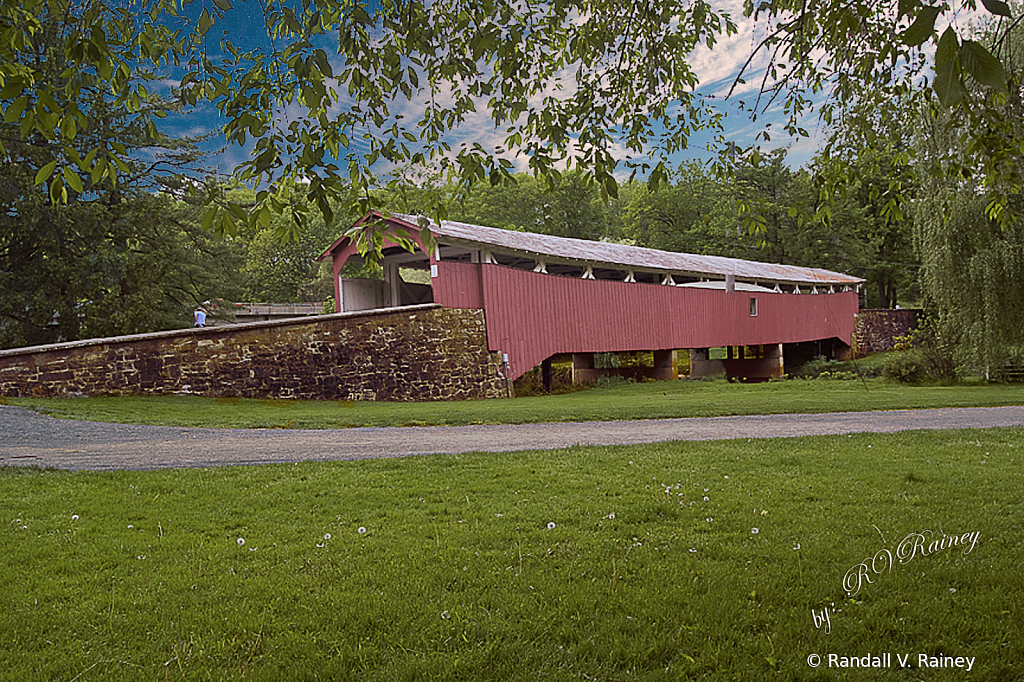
{"x":973,"y":274}
{"x":969,"y":224}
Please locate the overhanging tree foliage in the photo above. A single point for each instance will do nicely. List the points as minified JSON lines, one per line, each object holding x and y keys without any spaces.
{"x":87,"y":245}
{"x":336,"y":87}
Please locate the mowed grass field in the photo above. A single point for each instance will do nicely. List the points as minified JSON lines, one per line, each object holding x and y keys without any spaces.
{"x":622,"y":401}
{"x":675,"y":561}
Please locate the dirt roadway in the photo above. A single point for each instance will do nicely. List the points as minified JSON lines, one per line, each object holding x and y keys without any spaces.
{"x":28,"y":438}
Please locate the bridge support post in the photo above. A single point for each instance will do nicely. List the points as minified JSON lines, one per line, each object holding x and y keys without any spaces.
{"x":666,"y":365}
{"x":545,"y":375}
{"x":702,"y":366}
{"x":583,"y":368}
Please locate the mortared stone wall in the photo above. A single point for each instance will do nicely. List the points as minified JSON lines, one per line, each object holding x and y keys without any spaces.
{"x":876,"y":329}
{"x":411,"y":353}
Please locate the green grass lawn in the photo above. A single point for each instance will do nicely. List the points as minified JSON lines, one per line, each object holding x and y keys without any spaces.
{"x":622,"y":401}
{"x":657,"y":562}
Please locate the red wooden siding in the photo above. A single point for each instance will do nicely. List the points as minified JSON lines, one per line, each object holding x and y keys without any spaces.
{"x":458,"y":285}
{"x":532,"y":316}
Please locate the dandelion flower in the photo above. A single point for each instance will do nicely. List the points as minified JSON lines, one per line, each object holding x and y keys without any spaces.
{"x":551,"y":524}
{"x":361,"y":530}
{"x":74,"y":517}
{"x":240,"y":541}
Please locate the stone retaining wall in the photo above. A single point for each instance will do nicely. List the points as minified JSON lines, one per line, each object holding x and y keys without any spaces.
{"x":874,"y":330}
{"x":413,"y":353}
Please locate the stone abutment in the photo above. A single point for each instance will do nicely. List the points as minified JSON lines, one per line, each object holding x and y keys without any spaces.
{"x":398,"y":354}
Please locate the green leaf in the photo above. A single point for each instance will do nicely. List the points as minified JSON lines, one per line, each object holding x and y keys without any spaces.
{"x":56,"y":184}
{"x":208,"y":216}
{"x":69,"y":128}
{"x":121,"y":166}
{"x":982,"y":66}
{"x":99,"y":171}
{"x":16,"y":109}
{"x":45,"y":172}
{"x":12,"y":89}
{"x":237,"y":211}
{"x":320,"y":57}
{"x":949,"y":46}
{"x":610,"y":186}
{"x":205,"y":22}
{"x":223,"y":5}
{"x":28,"y":123}
{"x":923,"y":27}
{"x":72,"y":180}
{"x":997,"y":7}
{"x":905,"y":7}
{"x":947,"y":84}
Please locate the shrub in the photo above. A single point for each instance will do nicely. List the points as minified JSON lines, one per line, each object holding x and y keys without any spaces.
{"x":933,"y":351}
{"x":823,"y":368}
{"x":612,"y":380}
{"x":905,"y":367}
{"x":837,"y":375}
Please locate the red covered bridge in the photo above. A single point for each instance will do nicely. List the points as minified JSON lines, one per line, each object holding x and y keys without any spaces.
{"x":546,"y":296}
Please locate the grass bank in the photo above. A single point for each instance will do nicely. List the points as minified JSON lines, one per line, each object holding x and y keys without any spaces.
{"x":714,"y":561}
{"x":622,"y":401}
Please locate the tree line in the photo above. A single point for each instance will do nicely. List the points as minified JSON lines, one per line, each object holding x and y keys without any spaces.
{"x":144,"y":261}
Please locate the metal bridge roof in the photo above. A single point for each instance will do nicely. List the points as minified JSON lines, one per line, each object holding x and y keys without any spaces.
{"x":585,"y":252}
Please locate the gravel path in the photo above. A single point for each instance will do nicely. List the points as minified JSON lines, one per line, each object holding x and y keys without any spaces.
{"x":29,"y":438}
